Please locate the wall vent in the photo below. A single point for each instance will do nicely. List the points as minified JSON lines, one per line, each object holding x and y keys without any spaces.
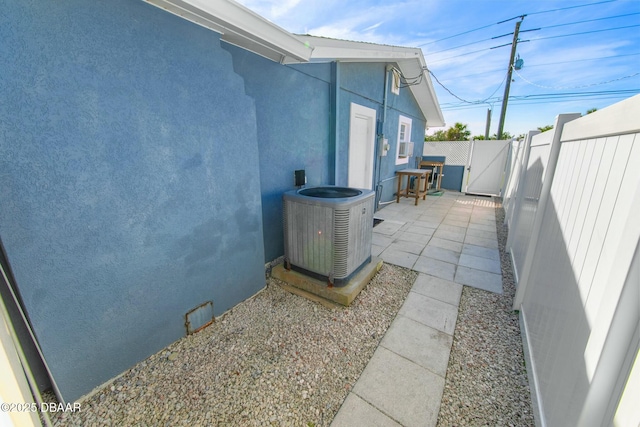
{"x":199,"y":317}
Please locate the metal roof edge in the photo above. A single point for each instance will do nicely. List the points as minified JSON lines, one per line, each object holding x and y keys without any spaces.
{"x":241,"y":27}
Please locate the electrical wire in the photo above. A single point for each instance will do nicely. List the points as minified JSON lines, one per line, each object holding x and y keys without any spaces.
{"x":456,"y":35}
{"x":544,"y":65}
{"x":589,"y":20}
{"x":507,"y":20}
{"x":582,"y":60}
{"x":464,"y":100}
{"x":570,"y":7}
{"x":550,"y":98}
{"x":583,"y":33}
{"x":574,"y":87}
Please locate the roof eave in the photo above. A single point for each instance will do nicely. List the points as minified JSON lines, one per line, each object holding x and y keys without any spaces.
{"x":241,"y":27}
{"x":410,"y":60}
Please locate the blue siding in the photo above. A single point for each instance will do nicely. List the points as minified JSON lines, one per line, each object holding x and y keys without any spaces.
{"x":293,"y":115}
{"x":363,"y":83}
{"x":125,"y":142}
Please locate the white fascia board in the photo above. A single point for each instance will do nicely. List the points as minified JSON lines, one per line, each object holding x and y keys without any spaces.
{"x":241,"y":27}
{"x":350,"y":51}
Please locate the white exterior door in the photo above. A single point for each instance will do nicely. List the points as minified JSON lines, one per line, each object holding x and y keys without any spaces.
{"x":486,"y":167}
{"x":362,"y":135}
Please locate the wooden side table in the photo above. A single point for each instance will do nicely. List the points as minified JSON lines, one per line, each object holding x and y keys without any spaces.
{"x":419,"y":189}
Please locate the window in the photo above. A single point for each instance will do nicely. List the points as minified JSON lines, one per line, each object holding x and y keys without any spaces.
{"x":404,"y":148}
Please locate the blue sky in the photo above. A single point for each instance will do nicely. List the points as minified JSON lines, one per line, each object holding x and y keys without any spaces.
{"x":584,"y":54}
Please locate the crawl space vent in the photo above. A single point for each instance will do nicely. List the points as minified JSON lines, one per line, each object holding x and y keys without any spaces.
{"x":199,"y":317}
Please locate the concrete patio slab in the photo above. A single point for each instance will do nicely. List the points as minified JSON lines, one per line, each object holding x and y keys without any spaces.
{"x":419,"y":343}
{"x":431,"y":312}
{"x":479,"y":279}
{"x":354,"y":409}
{"x":412,"y":237}
{"x":437,"y":288}
{"x":480,"y":251}
{"x":450,"y":235}
{"x":479,"y":241}
{"x":479,"y":263}
{"x":456,"y":229}
{"x":484,"y":226}
{"x":389,"y":227}
{"x":404,"y":391}
{"x":419,"y":230}
{"x":456,"y":223}
{"x":401,"y":258}
{"x":435,"y":267}
{"x":380,"y":239}
{"x":446,"y":244}
{"x":441,"y":254}
{"x":483,"y":234}
{"x":407,"y":246}
{"x":455,"y":237}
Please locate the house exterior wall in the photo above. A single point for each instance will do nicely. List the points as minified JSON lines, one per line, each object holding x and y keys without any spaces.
{"x":364,"y":84}
{"x":125,"y":138}
{"x":293,"y":114}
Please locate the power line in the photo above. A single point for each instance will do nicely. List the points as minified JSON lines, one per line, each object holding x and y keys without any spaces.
{"x":582,"y":60}
{"x":510,"y":19}
{"x":575,"y":87}
{"x":458,"y":47}
{"x":570,"y":7}
{"x":590,"y":20}
{"x":456,"y":35}
{"x":543,"y":65}
{"x":456,"y":77}
{"x":529,"y":100}
{"x":464,"y":100}
{"x":585,"y":32}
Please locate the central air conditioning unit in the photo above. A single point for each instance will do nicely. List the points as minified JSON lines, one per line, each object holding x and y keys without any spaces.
{"x":328,"y":231}
{"x":406,"y":149}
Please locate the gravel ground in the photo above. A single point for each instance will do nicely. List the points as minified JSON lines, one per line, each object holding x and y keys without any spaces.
{"x":486,"y":382}
{"x":276,"y":359}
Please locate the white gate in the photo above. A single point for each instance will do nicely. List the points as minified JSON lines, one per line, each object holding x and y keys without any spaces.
{"x":486,"y":167}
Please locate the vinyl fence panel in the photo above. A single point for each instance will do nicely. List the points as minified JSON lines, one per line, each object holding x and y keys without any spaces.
{"x":580,"y":296}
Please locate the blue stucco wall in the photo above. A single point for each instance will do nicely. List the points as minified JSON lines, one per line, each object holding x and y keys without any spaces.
{"x":125,"y":142}
{"x":293,"y":116}
{"x":363,"y":83}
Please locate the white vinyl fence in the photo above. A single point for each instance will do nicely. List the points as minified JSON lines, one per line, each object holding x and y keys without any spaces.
{"x":572,"y":205}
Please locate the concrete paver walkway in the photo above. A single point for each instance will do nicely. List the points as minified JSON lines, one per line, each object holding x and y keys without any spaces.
{"x":451,"y":241}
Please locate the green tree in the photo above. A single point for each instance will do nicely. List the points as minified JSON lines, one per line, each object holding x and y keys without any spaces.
{"x":457,"y":132}
{"x":545,"y":128}
{"x":592,"y":110}
{"x":439,"y":135}
{"x":505,"y":135}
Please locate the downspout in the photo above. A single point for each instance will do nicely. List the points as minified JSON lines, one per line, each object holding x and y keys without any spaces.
{"x":380,"y":140}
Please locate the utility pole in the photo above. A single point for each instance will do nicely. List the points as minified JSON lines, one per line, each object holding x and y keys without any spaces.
{"x":507,"y":86}
{"x":486,"y":129}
